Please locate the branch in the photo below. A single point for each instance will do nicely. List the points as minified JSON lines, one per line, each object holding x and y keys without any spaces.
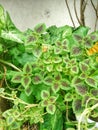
{"x":94,"y":8}
{"x":82,"y":12}
{"x":10,"y":64}
{"x":84,"y":5}
{"x":96,"y":17}
{"x":76,"y":13}
{"x":69,"y":12}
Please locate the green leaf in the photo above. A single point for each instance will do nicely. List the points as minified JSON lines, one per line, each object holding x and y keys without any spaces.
{"x":94,"y":36}
{"x":48,"y":61}
{"x":12,"y":36}
{"x":65,"y":84}
{"x":67,"y":31}
{"x":40,"y":28}
{"x":74,"y":69}
{"x":77,"y":37}
{"x":66,"y":60}
{"x":2,"y":17}
{"x":17,"y":78}
{"x":27,"y":69}
{"x":51,"y":109}
{"x":7,"y":113}
{"x":85,"y":99}
{"x":83,"y":67}
{"x":1,"y":90}
{"x":91,"y":82}
{"x":31,"y":39}
{"x":45,"y":94}
{"x":48,"y":80}
{"x":28,"y":99}
{"x":58,"y":44}
{"x":49,"y":68}
{"x":37,"y":52}
{"x":94,"y":92}
{"x":10,"y":120}
{"x":73,"y":61}
{"x":76,"y":51}
{"x":57,"y":76}
{"x":68,"y":97}
{"x":82,"y":76}
{"x":92,"y":125}
{"x":65,"y":48}
{"x":57,"y":50}
{"x":77,"y":106}
{"x":52,"y":122}
{"x":59,"y":67}
{"x":26,"y":80}
{"x":88,"y":43}
{"x":57,"y":120}
{"x":1,"y":11}
{"x":76,"y":80}
{"x":65,"y":45}
{"x":55,"y":87}
{"x":81,"y":89}
{"x":52,"y":99}
{"x":37,"y":79}
{"x":25,"y":57}
{"x":15,"y":125}
{"x":28,"y":90}
{"x":57,"y":59}
{"x":81,"y":31}
{"x":45,"y":103}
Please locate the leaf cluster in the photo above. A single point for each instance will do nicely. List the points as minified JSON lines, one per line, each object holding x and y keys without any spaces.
{"x":49,"y":67}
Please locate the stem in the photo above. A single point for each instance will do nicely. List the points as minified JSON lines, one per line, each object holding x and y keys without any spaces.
{"x":96,"y":17}
{"x":9,"y":64}
{"x":67,"y":111}
{"x":82,"y":13}
{"x":94,"y":8}
{"x":81,"y":117}
{"x":69,"y":12}
{"x":8,"y":96}
{"x":76,"y":12}
{"x":84,"y":6}
{"x":85,"y":112}
{"x":92,"y":98}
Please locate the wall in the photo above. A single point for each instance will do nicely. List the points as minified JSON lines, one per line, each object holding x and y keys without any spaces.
{"x":27,"y":13}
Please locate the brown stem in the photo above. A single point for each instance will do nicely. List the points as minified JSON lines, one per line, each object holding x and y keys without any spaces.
{"x":76,"y":12}
{"x":84,"y":6}
{"x":82,"y":13}
{"x":95,"y":8}
{"x":96,"y":17}
{"x":69,"y":12}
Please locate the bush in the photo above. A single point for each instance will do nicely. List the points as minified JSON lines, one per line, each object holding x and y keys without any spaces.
{"x":48,"y":75}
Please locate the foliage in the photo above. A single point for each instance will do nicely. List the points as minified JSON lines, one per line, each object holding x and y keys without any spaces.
{"x":46,"y":75}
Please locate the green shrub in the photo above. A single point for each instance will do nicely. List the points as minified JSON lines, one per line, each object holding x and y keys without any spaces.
{"x":47,"y":75}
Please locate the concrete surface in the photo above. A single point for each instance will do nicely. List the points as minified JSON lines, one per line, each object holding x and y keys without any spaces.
{"x":27,"y":13}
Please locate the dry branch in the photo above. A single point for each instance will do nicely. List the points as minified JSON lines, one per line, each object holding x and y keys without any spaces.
{"x":69,"y":12}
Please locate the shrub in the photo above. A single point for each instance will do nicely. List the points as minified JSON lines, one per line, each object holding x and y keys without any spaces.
{"x":48,"y":75}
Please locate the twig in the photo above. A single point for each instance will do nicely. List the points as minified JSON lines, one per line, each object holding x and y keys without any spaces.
{"x":84,"y":5}
{"x":82,"y":13}
{"x":94,"y":8}
{"x":76,"y":12}
{"x":10,"y":64}
{"x":2,"y":80}
{"x":8,"y":97}
{"x":96,"y":18}
{"x":69,"y":12}
{"x":85,"y":112}
{"x":67,"y":111}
